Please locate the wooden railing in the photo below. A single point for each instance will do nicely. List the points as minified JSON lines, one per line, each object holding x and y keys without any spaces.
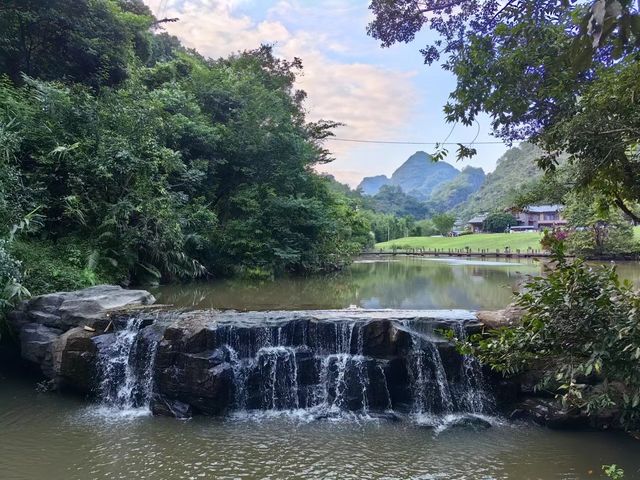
{"x":464,"y":252}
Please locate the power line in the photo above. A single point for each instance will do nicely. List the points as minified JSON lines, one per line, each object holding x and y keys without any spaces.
{"x":353,"y":140}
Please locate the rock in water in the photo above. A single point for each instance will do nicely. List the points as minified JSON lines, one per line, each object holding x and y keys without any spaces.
{"x":55,"y":329}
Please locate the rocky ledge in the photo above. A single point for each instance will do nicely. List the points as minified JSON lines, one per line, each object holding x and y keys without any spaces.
{"x":212,"y":361}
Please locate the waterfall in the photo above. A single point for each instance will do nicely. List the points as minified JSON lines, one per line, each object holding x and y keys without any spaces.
{"x":472,"y":392}
{"x":125,"y":367}
{"x":429,"y":384}
{"x":324,"y":368}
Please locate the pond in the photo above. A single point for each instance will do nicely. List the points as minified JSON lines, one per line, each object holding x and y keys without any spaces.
{"x":376,"y":282}
{"x":54,"y":436}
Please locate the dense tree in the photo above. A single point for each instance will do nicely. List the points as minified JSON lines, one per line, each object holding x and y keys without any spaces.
{"x":597,"y":228}
{"x":443,"y":223}
{"x":560,"y":74}
{"x":392,"y":199}
{"x":83,"y":41}
{"x":498,"y":222}
{"x":147,"y":162}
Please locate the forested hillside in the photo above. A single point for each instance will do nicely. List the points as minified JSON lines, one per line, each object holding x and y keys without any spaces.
{"x":126,"y":158}
{"x":516,"y":169}
{"x":451,"y":194}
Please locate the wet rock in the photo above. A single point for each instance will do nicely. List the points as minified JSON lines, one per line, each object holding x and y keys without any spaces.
{"x":36,"y":343}
{"x":383,"y":339}
{"x":50,"y":335}
{"x":204,"y":380}
{"x":549,"y":413}
{"x":469,"y":421}
{"x":74,"y":361}
{"x":501,"y":318}
{"x":161,"y":405}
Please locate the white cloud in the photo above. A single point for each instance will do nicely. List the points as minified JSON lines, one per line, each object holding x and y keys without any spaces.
{"x":372,"y":101}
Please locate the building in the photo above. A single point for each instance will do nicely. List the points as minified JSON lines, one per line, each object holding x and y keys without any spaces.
{"x":538,"y":217}
{"x":475,"y":224}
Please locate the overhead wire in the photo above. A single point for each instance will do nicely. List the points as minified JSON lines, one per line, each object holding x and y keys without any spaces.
{"x":398,"y":142}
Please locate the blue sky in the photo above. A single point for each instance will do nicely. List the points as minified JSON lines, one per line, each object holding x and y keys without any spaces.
{"x":380,"y":94}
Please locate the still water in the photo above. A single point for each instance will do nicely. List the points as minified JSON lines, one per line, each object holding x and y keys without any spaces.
{"x":398,"y":282}
{"x":55,"y":437}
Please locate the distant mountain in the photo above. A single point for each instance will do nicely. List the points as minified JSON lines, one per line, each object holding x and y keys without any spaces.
{"x":372,"y":185}
{"x":515,"y":169}
{"x":418,"y":177}
{"x":450,"y":194}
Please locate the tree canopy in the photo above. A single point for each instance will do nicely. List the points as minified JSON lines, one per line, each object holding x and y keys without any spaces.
{"x":148,"y":162}
{"x":561,"y":74}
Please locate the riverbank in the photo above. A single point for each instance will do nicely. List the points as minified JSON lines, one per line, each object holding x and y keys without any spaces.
{"x":478,"y":241}
{"x":524,"y":244}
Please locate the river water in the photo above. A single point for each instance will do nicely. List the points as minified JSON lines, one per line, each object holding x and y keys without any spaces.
{"x":45,"y":435}
{"x":376,"y":282}
{"x":48,"y":436}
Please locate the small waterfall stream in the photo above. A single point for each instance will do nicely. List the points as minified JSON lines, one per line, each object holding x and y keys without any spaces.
{"x":125,"y":367}
{"x":324,"y":369}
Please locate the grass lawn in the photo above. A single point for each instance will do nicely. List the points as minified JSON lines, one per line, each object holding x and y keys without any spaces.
{"x":489,"y":241}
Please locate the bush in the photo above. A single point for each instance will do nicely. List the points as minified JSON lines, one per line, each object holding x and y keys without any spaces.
{"x":68,"y":264}
{"x":11,"y":289}
{"x":581,"y":327}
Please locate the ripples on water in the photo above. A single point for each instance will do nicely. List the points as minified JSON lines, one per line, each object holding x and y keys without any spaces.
{"x":47,"y":436}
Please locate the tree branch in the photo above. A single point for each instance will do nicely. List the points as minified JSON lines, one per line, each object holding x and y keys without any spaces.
{"x":622,"y":206}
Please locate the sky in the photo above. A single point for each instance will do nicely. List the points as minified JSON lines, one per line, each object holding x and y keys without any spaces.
{"x":379,"y":94}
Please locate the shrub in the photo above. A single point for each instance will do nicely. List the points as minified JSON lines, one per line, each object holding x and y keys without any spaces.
{"x":498,"y":222}
{"x":581,"y":327}
{"x":69,"y":264}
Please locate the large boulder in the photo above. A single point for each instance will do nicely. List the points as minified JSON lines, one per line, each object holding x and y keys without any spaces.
{"x":55,"y":330}
{"x":67,"y":310}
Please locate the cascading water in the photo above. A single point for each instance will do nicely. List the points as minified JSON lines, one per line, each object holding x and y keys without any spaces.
{"x":430,"y":387}
{"x":472,"y":393}
{"x":325,"y":369}
{"x":125,"y":368}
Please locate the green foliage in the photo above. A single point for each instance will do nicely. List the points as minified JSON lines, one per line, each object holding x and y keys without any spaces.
{"x":68,"y":264}
{"x":549,"y":189}
{"x":443,"y":223}
{"x":168,"y":166}
{"x":424,"y":228}
{"x":451,"y":194}
{"x":498,"y":222}
{"x":391,"y":199}
{"x":581,"y":329}
{"x":602,"y":137}
{"x":613,"y":471}
{"x":84,"y":41}
{"x":387,"y":227}
{"x":514,"y":172}
{"x":598,"y":228}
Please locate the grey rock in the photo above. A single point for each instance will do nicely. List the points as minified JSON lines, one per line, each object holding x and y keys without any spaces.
{"x":67,"y":310}
{"x":36,"y":344}
{"x":51,"y":333}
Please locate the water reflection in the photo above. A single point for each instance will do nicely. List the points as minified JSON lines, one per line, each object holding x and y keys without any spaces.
{"x":419,"y":283}
{"x":398,"y":282}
